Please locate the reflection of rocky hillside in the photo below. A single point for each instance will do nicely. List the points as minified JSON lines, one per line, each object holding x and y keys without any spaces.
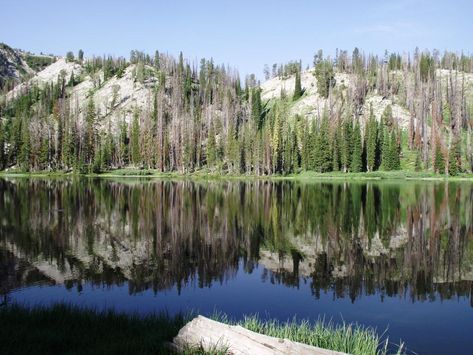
{"x":349,"y":238}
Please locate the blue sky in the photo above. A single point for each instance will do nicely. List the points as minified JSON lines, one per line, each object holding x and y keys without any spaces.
{"x":245,"y":34}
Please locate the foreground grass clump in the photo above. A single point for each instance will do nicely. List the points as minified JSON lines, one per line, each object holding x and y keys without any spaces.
{"x":348,"y":338}
{"x":64,"y":329}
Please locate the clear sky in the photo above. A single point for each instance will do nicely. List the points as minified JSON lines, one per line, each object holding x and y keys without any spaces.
{"x":245,"y":34}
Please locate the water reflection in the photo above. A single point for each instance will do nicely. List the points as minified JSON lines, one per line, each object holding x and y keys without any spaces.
{"x":412,"y":240}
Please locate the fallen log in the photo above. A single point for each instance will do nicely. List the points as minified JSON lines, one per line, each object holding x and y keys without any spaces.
{"x":212,"y":335}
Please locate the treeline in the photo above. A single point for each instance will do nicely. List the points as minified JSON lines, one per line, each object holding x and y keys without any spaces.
{"x":202,"y":117}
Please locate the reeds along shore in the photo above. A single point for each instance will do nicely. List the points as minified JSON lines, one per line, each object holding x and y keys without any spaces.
{"x":64,"y":329}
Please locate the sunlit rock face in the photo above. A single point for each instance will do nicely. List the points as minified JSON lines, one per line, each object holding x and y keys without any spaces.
{"x":347,"y":238}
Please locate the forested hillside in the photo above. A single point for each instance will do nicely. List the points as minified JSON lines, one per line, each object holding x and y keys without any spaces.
{"x":350,"y":113}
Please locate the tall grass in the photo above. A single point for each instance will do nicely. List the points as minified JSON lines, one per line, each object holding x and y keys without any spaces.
{"x":65,"y":329}
{"x":348,"y":338}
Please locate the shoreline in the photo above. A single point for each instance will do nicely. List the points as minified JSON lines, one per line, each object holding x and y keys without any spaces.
{"x":110,"y":331}
{"x":400,"y":175}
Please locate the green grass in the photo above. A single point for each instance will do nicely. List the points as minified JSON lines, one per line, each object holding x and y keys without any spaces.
{"x":209,"y":175}
{"x":349,"y":338}
{"x":64,"y":329}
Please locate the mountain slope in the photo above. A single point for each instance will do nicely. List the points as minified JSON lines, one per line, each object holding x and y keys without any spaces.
{"x":17,"y":65}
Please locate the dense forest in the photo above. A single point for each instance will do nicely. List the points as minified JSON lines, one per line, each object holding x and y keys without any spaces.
{"x":201,"y":116}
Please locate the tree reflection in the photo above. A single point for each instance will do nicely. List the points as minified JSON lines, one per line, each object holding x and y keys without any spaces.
{"x":413,"y":240}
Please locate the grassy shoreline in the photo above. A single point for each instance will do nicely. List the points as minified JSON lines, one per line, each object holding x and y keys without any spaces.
{"x":64,"y":329}
{"x":208,"y":175}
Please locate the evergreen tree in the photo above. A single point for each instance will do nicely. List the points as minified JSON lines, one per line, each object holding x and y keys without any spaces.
{"x":24,"y":159}
{"x":69,"y":56}
{"x":297,"y":86}
{"x":439,"y":161}
{"x":371,"y":137}
{"x":324,"y":160}
{"x":135,"y":140}
{"x":44,"y":153}
{"x":2,"y":147}
{"x":97,"y":165}
{"x":325,"y":77}
{"x":304,"y":130}
{"x":276,"y":142}
{"x":312,"y":148}
{"x":123,"y":147}
{"x":380,"y":145}
{"x":290,"y":151}
{"x":347,"y":145}
{"x":386,"y":156}
{"x":418,"y":163}
{"x":90,"y":133}
{"x":395,"y":151}
{"x":232,"y":149}
{"x":211,"y":147}
{"x":453,"y":159}
{"x":356,"y":161}
{"x":256,"y":110}
{"x":67,"y":150}
{"x":336,"y":153}
{"x":15,"y":140}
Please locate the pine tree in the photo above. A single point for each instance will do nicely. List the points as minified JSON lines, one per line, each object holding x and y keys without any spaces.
{"x":346,"y":145}
{"x":232,"y":149}
{"x":324,"y":161}
{"x":304,"y":130}
{"x":135,"y":140}
{"x":379,"y":145}
{"x":60,"y":135}
{"x":371,"y":136}
{"x":276,"y":142}
{"x":418,"y":163}
{"x":453,"y":159}
{"x":44,"y":153}
{"x":123,"y":146}
{"x":395,"y":152}
{"x":439,"y":161}
{"x":2,"y":147}
{"x":256,"y":111}
{"x":25,"y":151}
{"x":211,"y":148}
{"x":290,"y":158}
{"x":325,"y":77}
{"x":97,"y":165}
{"x":386,"y":157}
{"x":357,"y":162}
{"x":67,"y":150}
{"x":69,"y":56}
{"x":297,"y":86}
{"x":336,"y":150}
{"x":108,"y":147}
{"x":90,"y":133}
{"x":312,"y":146}
{"x":15,"y":140}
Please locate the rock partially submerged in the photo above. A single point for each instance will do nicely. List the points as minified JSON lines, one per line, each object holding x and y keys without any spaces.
{"x":212,"y":335}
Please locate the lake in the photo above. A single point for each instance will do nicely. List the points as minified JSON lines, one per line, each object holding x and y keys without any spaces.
{"x":397,"y":256}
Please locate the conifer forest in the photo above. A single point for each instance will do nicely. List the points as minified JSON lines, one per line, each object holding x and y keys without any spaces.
{"x":175,"y":115}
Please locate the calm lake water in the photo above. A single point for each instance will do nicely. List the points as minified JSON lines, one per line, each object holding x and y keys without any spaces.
{"x":392,"y":255}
